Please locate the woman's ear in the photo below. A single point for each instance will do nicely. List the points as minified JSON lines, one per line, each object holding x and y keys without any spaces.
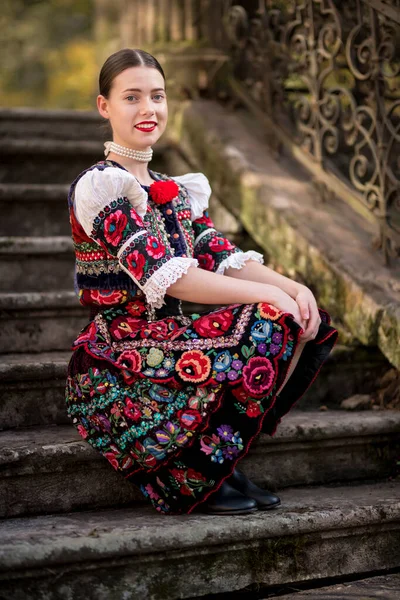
{"x":102,"y":106}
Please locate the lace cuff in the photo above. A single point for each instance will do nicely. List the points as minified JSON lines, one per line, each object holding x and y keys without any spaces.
{"x":238,"y":260}
{"x":165,"y":276}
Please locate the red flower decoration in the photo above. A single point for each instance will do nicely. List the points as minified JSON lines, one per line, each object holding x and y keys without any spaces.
{"x":215,"y":324}
{"x":162,"y":192}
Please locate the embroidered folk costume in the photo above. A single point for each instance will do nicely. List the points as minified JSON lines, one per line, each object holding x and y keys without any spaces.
{"x":172,"y":401}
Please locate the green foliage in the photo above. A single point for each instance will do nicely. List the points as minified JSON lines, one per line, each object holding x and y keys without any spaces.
{"x":49,"y":57}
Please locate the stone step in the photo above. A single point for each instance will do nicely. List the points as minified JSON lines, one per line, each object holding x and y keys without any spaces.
{"x":52,"y":469}
{"x":40,"y":322}
{"x":38,"y":160}
{"x":34,"y":209}
{"x":32,"y":389}
{"x":386,"y":587}
{"x":36,"y":263}
{"x":134,"y":552}
{"x":62,"y":125}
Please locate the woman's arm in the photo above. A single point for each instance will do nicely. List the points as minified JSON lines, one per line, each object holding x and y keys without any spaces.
{"x":254,"y":271}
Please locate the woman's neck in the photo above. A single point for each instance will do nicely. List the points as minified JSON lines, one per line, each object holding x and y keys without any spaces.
{"x":137,"y":169}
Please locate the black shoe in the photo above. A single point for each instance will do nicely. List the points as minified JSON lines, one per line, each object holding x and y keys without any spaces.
{"x":229,"y":501}
{"x":264,"y":498}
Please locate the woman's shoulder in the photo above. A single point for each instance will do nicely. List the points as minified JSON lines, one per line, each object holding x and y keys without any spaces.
{"x":198,"y":190}
{"x":103,"y":182}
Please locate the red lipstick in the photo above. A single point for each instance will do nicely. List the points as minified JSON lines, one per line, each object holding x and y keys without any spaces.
{"x":146,"y":126}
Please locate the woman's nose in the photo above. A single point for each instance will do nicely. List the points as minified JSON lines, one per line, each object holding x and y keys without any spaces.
{"x":147,"y":107}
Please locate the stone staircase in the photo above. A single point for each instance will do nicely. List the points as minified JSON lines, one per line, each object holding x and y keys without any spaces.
{"x":70,"y":526}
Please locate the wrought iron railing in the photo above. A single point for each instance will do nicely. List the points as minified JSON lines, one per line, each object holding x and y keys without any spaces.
{"x":325,"y":74}
{"x":328,"y":72}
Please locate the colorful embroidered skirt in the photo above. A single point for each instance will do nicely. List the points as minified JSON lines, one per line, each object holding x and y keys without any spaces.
{"x":174,"y":404}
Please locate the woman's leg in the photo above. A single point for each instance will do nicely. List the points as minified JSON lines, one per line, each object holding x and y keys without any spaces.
{"x":293,"y":364}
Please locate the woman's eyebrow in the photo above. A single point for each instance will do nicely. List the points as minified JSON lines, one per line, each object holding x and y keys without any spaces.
{"x":137,"y":90}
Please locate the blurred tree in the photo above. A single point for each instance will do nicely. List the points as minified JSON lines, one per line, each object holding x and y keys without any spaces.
{"x":48,"y":56}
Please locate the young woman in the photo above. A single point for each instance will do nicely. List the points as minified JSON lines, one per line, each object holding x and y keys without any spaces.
{"x":173,"y":402}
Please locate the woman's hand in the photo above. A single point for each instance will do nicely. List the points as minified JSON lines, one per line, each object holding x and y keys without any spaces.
{"x":285,"y":303}
{"x":309,"y":311}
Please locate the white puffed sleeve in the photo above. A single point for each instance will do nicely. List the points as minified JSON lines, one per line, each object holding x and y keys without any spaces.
{"x":199,"y":191}
{"x":97,"y":188}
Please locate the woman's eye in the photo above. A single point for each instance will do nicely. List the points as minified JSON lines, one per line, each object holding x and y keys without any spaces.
{"x":131,"y":98}
{"x":159,"y":97}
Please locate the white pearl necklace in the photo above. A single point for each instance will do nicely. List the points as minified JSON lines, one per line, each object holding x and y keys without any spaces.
{"x":139,"y":155}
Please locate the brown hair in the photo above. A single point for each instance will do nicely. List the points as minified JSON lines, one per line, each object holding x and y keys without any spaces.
{"x":121,"y":60}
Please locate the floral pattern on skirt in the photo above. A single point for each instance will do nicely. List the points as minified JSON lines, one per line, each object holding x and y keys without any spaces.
{"x":174,"y":404}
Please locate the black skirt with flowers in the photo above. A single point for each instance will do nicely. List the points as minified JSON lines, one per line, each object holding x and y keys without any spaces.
{"x":174,"y":404}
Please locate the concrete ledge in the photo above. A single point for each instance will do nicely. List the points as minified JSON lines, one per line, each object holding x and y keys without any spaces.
{"x":327,"y":246}
{"x":317,"y":533}
{"x":52,"y":469}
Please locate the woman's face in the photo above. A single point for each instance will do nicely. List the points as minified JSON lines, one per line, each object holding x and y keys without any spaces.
{"x":136,"y":107}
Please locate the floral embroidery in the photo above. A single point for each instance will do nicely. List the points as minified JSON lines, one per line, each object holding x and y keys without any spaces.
{"x":215,"y":324}
{"x":258,"y":375}
{"x":225,"y":446}
{"x":114,"y":226}
{"x":194,"y":366}
{"x":172,"y":403}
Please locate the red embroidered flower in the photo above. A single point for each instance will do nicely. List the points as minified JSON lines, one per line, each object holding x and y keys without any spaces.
{"x":136,"y":262}
{"x":114,"y":226}
{"x":214,"y":324}
{"x":206,"y":261}
{"x":157,"y":331}
{"x":194,"y":366}
{"x":258,"y":375}
{"x":154,"y":248}
{"x":189,"y":418}
{"x":240,"y":394}
{"x":135,"y":308}
{"x":108,"y":296}
{"x":82,"y":431}
{"x":218,"y":244}
{"x":267,"y":311}
{"x":131,"y":410}
{"x":253,"y":409}
{"x":124,"y":325}
{"x":162,"y":192}
{"x":204,"y":220}
{"x":131,"y":360}
{"x":178,"y":474}
{"x":195,"y":475}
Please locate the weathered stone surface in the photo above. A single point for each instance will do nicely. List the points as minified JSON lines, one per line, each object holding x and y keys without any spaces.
{"x":40,"y":322}
{"x":357,"y":402}
{"x":49,"y":161}
{"x":328,"y":248}
{"x":34,"y":210}
{"x":36,"y":263}
{"x":384,"y":587}
{"x":52,"y":469}
{"x":137,"y":553}
{"x":20,"y":123}
{"x":32,"y":389}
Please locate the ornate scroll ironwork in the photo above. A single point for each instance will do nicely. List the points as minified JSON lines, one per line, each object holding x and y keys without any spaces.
{"x":329,"y":73}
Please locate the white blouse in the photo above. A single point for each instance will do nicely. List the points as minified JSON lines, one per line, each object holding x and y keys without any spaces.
{"x":97,"y":188}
